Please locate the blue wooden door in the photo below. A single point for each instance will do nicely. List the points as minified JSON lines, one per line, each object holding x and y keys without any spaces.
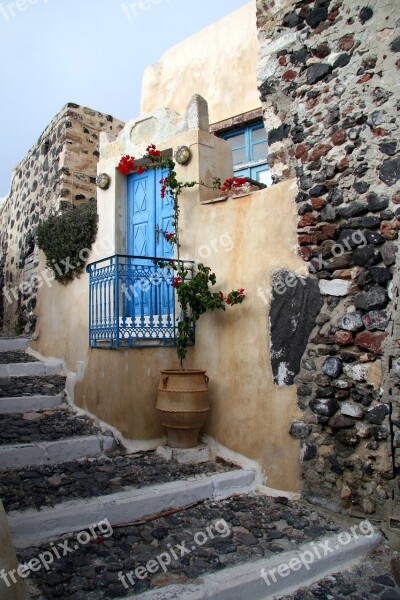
{"x":148,"y":217}
{"x":141,"y":214}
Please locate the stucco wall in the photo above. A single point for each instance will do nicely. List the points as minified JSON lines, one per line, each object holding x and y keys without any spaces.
{"x":219,"y":63}
{"x":244,"y":241}
{"x":249,"y":414}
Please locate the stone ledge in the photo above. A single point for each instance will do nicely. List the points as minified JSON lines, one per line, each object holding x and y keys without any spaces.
{"x":188,"y":456}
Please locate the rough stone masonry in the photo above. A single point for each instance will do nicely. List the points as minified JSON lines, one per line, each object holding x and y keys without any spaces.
{"x":59,"y":171}
{"x":329,"y":79}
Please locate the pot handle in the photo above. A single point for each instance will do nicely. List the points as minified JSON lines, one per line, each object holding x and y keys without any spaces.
{"x":165,"y":381}
{"x":206,"y":378}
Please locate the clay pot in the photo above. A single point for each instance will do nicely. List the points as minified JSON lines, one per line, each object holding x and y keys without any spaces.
{"x":183,"y":405}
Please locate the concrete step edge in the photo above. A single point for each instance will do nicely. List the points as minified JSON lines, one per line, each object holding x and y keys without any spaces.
{"x":31,"y":369}
{"x":58,"y":451}
{"x":23,"y":404}
{"x":254,"y":579}
{"x":14,"y":344}
{"x":32,"y":527}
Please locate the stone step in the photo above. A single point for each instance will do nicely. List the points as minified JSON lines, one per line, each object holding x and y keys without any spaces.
{"x":33,"y":527}
{"x":51,"y":436}
{"x":46,"y":426}
{"x":13,"y":344}
{"x":23,"y":404}
{"x":246,"y":581}
{"x":40,"y":453}
{"x":247,"y":546}
{"x":19,"y":356}
{"x":47,"y":485}
{"x":50,"y":385}
{"x":30,"y":369}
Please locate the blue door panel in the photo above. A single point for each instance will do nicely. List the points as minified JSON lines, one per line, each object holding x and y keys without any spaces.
{"x":148,"y":217}
{"x":164,"y":217}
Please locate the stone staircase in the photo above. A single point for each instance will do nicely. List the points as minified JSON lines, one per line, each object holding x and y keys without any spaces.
{"x":94,"y":522}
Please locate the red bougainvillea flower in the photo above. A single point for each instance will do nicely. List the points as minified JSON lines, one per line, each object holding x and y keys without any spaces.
{"x":221,"y":295}
{"x":126,"y":165}
{"x":140,"y":170}
{"x":241,"y":293}
{"x":152,"y":151}
{"x":169,"y":236}
{"x":238,"y":182}
{"x":163,"y":191}
{"x":228,"y":301}
{"x":232,"y":183}
{"x":176,"y":282}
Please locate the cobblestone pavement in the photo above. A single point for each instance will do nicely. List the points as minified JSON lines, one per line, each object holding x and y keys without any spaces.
{"x":36,"y":487}
{"x":255,"y":527}
{"x":19,"y":356}
{"x":30,"y":386}
{"x":49,"y":425}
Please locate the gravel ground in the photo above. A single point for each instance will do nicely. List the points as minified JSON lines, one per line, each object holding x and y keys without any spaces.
{"x":49,"y":425}
{"x":36,"y":487}
{"x":254,"y":527}
{"x":18,"y":356}
{"x":32,"y":386}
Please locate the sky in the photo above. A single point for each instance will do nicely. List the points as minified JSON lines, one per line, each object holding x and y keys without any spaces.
{"x":91,"y":52}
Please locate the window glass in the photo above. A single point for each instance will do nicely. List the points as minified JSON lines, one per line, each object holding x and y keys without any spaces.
{"x":239,"y":156}
{"x":265,"y":177}
{"x":260,"y":151}
{"x":250,"y":147}
{"x":259,"y":135}
{"x":237,"y":141}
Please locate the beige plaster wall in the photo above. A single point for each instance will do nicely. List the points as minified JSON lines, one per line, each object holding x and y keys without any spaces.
{"x":219,"y":63}
{"x":249,"y":413}
{"x":62,"y":318}
{"x":244,"y":240}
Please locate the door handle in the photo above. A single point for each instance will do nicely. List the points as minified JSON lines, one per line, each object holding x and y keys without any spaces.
{"x":157,"y":231}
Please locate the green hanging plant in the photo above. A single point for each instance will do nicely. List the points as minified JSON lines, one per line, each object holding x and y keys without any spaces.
{"x":67,"y":239}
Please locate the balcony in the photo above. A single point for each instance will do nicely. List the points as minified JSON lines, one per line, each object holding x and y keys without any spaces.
{"x":132,"y":303}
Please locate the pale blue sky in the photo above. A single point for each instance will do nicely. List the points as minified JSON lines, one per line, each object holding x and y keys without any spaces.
{"x":91,"y":52}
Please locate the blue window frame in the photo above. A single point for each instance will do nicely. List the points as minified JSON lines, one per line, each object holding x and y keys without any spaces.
{"x":249,"y":152}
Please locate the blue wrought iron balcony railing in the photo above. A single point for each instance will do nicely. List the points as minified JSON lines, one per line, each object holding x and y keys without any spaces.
{"x":132,"y":303}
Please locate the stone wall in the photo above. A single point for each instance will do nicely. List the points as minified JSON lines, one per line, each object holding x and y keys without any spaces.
{"x":329,"y":79}
{"x":59,"y":170}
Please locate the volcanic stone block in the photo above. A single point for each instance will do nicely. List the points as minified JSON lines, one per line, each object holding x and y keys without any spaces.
{"x":332,"y":367}
{"x":325,"y":407}
{"x":318,"y":71}
{"x":295,"y":305}
{"x":377,"y":415}
{"x":351,"y":321}
{"x":376,"y":297}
